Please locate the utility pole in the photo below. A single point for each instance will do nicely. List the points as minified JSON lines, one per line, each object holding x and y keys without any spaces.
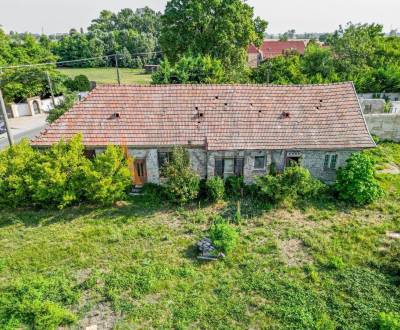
{"x":5,"y":118}
{"x":51,"y":89}
{"x":116,"y":65}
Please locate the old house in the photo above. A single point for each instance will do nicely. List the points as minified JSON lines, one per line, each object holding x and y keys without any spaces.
{"x":227,"y":129}
{"x":273,"y":48}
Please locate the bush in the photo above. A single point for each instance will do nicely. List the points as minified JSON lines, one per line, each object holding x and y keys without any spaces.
{"x":293,"y":184}
{"x":183,"y":183}
{"x":110,"y":177}
{"x":61,"y":174}
{"x":223,"y":236}
{"x":389,"y":321}
{"x":59,"y":110}
{"x":215,"y":189}
{"x":16,"y":171}
{"x":80,"y":83}
{"x":356,"y":183}
{"x":234,"y":186}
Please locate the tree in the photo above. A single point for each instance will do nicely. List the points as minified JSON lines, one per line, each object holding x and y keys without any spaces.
{"x":318,"y":64}
{"x":190,"y":70}
{"x":280,"y":70}
{"x":220,"y":29}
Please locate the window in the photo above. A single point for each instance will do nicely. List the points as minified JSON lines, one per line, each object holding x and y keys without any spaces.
{"x":330,"y":162}
{"x":163,"y":157}
{"x":225,"y":167}
{"x":259,"y":162}
{"x":89,"y":153}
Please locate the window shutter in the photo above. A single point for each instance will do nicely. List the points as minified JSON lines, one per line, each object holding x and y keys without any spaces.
{"x":326,"y":162}
{"x":333,"y":162}
{"x":219,"y":167}
{"x":239,"y":164}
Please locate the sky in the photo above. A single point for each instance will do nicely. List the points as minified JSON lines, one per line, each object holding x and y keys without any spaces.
{"x":52,"y":16}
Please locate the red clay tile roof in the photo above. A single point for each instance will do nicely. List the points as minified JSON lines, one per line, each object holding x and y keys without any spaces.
{"x":220,"y":117}
{"x":273,"y":48}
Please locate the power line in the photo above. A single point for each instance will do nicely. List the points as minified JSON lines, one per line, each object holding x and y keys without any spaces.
{"x":74,"y":61}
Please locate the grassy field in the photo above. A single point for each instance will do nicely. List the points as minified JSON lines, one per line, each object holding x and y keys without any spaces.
{"x":109,"y":75}
{"x":133,"y":266}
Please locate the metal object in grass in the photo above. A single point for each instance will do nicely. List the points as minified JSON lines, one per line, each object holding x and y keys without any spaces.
{"x":207,"y":250}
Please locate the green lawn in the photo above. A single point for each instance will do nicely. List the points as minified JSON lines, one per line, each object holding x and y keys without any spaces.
{"x":109,"y":75}
{"x":134,"y":266}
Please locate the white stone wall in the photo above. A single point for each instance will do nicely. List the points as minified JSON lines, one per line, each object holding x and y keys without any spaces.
{"x":151,"y":156}
{"x":386,"y":126}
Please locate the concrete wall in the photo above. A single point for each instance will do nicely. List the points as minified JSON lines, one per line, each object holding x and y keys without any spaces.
{"x":373,"y":105}
{"x":386,"y":126}
{"x":390,"y":96}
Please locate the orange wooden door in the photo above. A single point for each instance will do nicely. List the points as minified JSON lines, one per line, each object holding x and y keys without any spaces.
{"x":140,"y":172}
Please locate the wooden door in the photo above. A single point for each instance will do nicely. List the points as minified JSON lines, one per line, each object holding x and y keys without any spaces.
{"x":140,"y":172}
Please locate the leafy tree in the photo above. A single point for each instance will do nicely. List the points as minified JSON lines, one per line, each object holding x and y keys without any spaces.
{"x":215,"y":188}
{"x":356,"y":182}
{"x":22,"y":83}
{"x":80,"y":83}
{"x":64,"y":106}
{"x":221,"y":29}
{"x":318,"y":65}
{"x":183,"y":183}
{"x":194,"y":70}
{"x":280,"y":70}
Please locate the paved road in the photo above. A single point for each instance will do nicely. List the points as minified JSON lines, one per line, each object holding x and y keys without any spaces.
{"x":24,"y":127}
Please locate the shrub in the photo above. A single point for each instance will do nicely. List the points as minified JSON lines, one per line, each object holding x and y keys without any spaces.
{"x":234,"y":186}
{"x":61,"y":175}
{"x":389,"y":321}
{"x":59,"y":110}
{"x":215,"y":188}
{"x":223,"y":236}
{"x":16,"y":170}
{"x":356,"y":183}
{"x":182,"y":184}
{"x":80,"y":83}
{"x":110,"y":177}
{"x":294,"y":183}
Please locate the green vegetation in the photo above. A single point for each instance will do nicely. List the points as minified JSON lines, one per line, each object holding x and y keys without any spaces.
{"x":324,"y":265}
{"x":360,"y":53}
{"x":223,"y":236}
{"x":215,"y":189}
{"x":356,"y":182}
{"x":190,"y":70}
{"x":182,"y":183}
{"x":220,"y":29}
{"x":109,"y":75}
{"x":295,"y":183}
{"x":61,"y":176}
{"x":59,"y":110}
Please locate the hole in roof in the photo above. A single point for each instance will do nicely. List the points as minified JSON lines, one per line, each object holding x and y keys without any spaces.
{"x":251,"y":104}
{"x":115,"y":115}
{"x":217,"y":97}
{"x":259,"y":111}
{"x":317,"y":108}
{"x":285,"y":114}
{"x":197,"y":108}
{"x":199,"y":122}
{"x":321,"y":100}
{"x":226,"y":103}
{"x":201,"y":114}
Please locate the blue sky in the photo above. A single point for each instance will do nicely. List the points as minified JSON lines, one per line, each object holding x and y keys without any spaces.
{"x":302,"y":15}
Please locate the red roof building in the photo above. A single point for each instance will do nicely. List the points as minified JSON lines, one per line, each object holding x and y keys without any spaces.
{"x":305,"y":123}
{"x":273,"y":48}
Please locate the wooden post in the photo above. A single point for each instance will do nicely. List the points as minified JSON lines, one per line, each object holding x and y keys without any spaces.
{"x":51,"y":89}
{"x":116,"y":65}
{"x":5,"y":118}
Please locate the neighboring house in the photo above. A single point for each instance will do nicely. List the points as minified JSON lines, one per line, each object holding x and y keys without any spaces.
{"x":227,"y":129}
{"x":274,"y":48}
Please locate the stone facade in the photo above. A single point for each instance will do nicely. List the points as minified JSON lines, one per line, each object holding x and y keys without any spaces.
{"x":204,"y":162}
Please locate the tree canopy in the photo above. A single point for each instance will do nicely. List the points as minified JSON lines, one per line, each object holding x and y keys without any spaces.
{"x":359,"y":52}
{"x":220,"y":29}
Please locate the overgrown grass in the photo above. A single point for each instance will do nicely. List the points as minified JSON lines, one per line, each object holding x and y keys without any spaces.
{"x":109,"y":75}
{"x":320,"y":265}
